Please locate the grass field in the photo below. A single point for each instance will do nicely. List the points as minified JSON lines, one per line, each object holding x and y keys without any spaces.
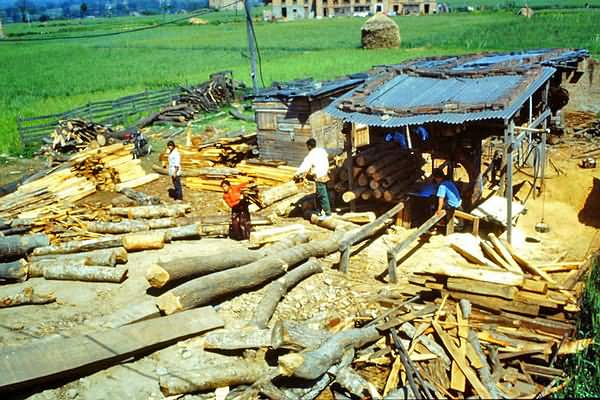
{"x":48,"y":77}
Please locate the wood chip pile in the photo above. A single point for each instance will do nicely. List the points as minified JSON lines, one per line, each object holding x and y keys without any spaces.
{"x":79,"y":133}
{"x":380,"y":173}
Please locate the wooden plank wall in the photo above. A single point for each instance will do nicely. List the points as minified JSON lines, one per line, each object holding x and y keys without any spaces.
{"x":284,"y":128}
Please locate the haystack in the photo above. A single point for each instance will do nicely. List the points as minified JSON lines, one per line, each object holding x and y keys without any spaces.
{"x":380,"y":31}
{"x":526,"y":12}
{"x":197,"y":21}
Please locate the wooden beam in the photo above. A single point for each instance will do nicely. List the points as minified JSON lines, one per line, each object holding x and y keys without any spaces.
{"x":29,"y":365}
{"x":392,"y":254}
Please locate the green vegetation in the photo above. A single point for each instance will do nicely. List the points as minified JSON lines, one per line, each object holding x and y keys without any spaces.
{"x":583,"y":367}
{"x":53,"y":76}
{"x":535,"y":4}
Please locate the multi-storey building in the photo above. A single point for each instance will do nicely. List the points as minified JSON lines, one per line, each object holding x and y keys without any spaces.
{"x":297,"y":9}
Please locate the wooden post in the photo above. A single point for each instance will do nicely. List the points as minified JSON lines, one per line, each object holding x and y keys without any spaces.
{"x":364,"y":232}
{"x":350,"y":164}
{"x":509,"y":135}
{"x":393,"y":253}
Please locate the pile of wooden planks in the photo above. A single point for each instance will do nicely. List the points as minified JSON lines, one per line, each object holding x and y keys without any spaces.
{"x":379,"y":172}
{"x":79,"y":133}
{"x":112,"y":168}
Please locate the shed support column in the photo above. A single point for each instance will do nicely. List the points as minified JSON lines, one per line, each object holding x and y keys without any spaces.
{"x":350,"y":162}
{"x":543,"y":144}
{"x":509,"y":134}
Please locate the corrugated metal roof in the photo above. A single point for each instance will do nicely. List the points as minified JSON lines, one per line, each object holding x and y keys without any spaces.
{"x":410,"y":91}
{"x":309,"y":87}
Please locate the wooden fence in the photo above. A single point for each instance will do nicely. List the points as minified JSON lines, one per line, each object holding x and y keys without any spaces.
{"x":109,"y":112}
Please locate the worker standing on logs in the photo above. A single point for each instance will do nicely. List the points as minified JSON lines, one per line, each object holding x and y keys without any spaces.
{"x":447,"y":193}
{"x":316,"y":167}
{"x":240,"y":226}
{"x":175,"y":170}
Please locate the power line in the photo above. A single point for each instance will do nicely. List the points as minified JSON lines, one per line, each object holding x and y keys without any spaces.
{"x":106,"y":34}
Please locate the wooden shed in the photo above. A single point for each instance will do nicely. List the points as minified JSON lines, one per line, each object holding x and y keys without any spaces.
{"x":288,"y":114}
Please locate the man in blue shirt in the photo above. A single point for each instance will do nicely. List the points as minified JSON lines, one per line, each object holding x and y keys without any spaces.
{"x":447,"y":194}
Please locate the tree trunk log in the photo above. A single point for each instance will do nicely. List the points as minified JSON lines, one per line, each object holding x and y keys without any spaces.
{"x":277,"y":193}
{"x":193,"y":232}
{"x":125,"y":226}
{"x":140,"y":198}
{"x":15,"y":270}
{"x":230,"y":373}
{"x":269,"y":235}
{"x":277,"y":289}
{"x":26,"y":296}
{"x":164,"y":272}
{"x":144,"y":241}
{"x":352,"y":382}
{"x":79,"y":246}
{"x":353,"y":195}
{"x":206,"y":289}
{"x":85,"y":273}
{"x":332,"y":223}
{"x":172,"y":210}
{"x":313,"y":364}
{"x":238,"y":339}
{"x":103,"y":259}
{"x":295,"y":336}
{"x":14,"y":247}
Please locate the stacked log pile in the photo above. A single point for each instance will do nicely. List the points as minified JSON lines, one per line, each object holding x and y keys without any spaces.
{"x":206,"y":97}
{"x":79,"y":133}
{"x":382,"y":173}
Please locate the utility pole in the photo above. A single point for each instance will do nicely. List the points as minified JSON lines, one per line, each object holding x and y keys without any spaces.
{"x":251,"y":44}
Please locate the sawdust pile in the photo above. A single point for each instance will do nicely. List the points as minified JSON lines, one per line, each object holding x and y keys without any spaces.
{"x":379,"y":32}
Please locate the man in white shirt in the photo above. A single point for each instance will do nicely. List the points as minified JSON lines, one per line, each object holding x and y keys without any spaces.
{"x":175,"y":170}
{"x":316,"y":163}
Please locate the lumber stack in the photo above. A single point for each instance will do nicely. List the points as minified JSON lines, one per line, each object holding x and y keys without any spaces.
{"x":382,"y":173}
{"x":79,"y":133}
{"x":206,"y":97}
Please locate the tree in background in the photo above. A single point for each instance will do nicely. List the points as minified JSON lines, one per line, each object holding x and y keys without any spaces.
{"x":83,"y":8}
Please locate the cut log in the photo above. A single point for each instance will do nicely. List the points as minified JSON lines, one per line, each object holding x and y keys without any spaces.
{"x":125,"y":226}
{"x":79,"y":246}
{"x":353,"y":382}
{"x":359,"y":217}
{"x":206,"y":289}
{"x":60,"y":357}
{"x":269,"y":235}
{"x":354,"y":194}
{"x":479,"y":274}
{"x":25,"y":296}
{"x":193,"y":232}
{"x":16,"y":270}
{"x":332,"y":223}
{"x":104,"y":257}
{"x":277,"y":289}
{"x":313,"y":364}
{"x":226,"y":373}
{"x":164,"y":272}
{"x":144,"y":241}
{"x":85,"y":273}
{"x":277,"y":193}
{"x":238,"y":339}
{"x":14,"y":247}
{"x":140,"y":198}
{"x":172,"y":210}
{"x":296,"y":336}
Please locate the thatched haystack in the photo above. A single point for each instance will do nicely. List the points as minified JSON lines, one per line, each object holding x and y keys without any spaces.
{"x":379,"y":32}
{"x":197,"y":21}
{"x":526,"y":12}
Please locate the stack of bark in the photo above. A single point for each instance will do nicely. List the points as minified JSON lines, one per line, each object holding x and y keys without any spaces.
{"x":206,"y":97}
{"x":112,"y":168}
{"x":79,"y":133}
{"x":381,"y":173}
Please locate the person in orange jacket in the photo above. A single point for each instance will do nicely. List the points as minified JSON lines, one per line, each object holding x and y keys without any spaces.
{"x":240,"y":225}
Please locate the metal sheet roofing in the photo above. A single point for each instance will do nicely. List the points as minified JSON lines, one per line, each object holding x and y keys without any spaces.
{"x":309,"y":87}
{"x":406,"y":91}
